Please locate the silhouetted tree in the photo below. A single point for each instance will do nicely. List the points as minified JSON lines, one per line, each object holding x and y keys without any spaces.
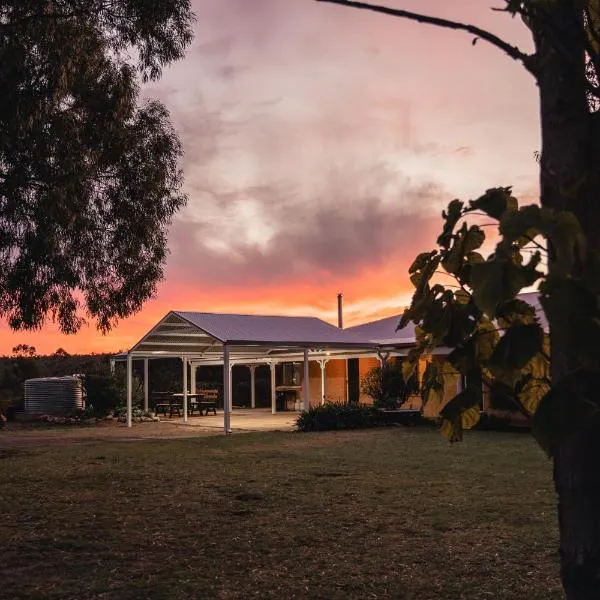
{"x":89,"y":175}
{"x":24,"y":351}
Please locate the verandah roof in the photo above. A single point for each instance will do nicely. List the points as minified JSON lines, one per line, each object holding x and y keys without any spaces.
{"x":202,"y":336}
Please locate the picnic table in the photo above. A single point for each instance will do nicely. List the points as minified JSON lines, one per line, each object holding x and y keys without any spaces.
{"x":165,"y":402}
{"x":195,"y":401}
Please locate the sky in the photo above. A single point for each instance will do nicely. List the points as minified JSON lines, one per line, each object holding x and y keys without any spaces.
{"x":321,"y":144}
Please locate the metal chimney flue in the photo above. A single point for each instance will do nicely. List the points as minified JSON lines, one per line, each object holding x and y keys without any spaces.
{"x":340,"y":314}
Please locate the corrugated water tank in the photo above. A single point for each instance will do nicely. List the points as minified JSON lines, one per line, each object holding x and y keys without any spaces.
{"x":53,"y":395}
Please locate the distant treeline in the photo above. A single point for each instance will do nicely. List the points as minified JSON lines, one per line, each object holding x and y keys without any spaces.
{"x":106,"y":391}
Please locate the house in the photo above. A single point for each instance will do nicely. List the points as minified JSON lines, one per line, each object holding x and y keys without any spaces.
{"x":309,"y":361}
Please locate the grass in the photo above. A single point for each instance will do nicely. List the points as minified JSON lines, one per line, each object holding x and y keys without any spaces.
{"x":393,"y":513}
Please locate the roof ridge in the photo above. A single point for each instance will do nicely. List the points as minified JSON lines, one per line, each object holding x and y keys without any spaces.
{"x":219,"y":314}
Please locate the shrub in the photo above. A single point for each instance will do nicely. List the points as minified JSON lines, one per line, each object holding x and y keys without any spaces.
{"x":338,"y":416}
{"x":104,"y":393}
{"x":387,"y":387}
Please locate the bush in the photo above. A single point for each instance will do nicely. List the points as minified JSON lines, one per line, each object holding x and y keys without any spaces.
{"x":387,"y":386}
{"x":104,"y":393}
{"x":338,"y":416}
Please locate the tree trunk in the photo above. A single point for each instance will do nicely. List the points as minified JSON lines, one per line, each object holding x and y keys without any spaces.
{"x":577,"y":482}
{"x":568,"y":180}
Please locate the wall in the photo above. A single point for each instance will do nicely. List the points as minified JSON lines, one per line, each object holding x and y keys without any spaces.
{"x":335,"y":382}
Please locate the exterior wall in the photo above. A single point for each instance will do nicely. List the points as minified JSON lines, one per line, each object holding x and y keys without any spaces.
{"x":335,"y":382}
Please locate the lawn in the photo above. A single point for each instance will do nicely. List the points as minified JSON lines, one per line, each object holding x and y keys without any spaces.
{"x":390,"y":513}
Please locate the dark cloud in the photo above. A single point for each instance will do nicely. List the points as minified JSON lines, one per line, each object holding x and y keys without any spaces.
{"x":337,"y":234}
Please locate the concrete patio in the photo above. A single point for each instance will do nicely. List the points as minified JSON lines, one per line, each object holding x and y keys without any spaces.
{"x":242,"y":419}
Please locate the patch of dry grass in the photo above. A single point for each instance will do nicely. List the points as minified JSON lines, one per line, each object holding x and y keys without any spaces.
{"x":392,"y":513}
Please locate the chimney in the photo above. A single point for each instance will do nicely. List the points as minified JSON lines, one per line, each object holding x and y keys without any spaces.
{"x":340,"y":317}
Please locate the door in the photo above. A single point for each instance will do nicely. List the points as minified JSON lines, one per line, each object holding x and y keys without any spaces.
{"x":353,"y":381}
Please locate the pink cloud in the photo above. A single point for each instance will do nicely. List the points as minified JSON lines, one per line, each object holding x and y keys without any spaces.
{"x":321,"y":144}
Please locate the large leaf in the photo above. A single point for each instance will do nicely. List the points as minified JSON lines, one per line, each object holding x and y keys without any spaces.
{"x":495,"y":202}
{"x":516,"y":312}
{"x":532,"y":393}
{"x":462,"y":412}
{"x":518,"y":346}
{"x":522,"y":226}
{"x":451,"y":218}
{"x":486,"y":337}
{"x":496,"y":281}
{"x":423,"y":269}
{"x":432,"y":385}
{"x":466,"y":241}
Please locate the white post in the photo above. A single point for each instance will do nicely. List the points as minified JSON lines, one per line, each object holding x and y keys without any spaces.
{"x":193,"y":378}
{"x":226,"y":389}
{"x":231,"y":386}
{"x":323,"y":363}
{"x":112,"y":366}
{"x":146,"y":384}
{"x":185,"y":389}
{"x":306,"y":382}
{"x":252,"y":386}
{"x":129,"y":390}
{"x":273,"y":394}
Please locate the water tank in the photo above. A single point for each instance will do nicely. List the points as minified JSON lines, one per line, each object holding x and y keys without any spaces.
{"x":53,"y":395}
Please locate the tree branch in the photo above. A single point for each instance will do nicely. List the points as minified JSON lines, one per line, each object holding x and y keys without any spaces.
{"x":528,"y":60}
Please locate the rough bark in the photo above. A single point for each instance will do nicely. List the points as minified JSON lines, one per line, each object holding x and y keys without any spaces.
{"x":577,"y":483}
{"x":569,"y":179}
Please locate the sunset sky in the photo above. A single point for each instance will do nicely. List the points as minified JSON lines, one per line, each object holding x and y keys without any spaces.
{"x":321,"y":144}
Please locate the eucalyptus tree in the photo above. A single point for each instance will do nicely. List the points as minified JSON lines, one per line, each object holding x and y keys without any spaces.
{"x":496,"y":336}
{"x":89,"y":172}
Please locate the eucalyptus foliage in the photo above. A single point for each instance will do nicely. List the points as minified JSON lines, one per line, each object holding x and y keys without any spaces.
{"x":89,"y":175}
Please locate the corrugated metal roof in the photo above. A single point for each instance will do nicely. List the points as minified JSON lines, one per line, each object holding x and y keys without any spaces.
{"x":383,"y":331}
{"x":302,"y":331}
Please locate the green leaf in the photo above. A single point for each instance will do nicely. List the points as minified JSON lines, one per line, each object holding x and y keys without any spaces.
{"x":498,"y":280}
{"x":432,"y":387}
{"x":523,"y":225}
{"x":465,"y":241}
{"x":495,"y":202}
{"x":516,"y":312}
{"x":467,"y":398}
{"x":451,"y":218}
{"x":462,"y":412}
{"x":423,"y":269}
{"x":462,"y":297}
{"x":485,"y":338}
{"x":532,"y":393}
{"x":518,"y":346}
{"x":487,"y":281}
